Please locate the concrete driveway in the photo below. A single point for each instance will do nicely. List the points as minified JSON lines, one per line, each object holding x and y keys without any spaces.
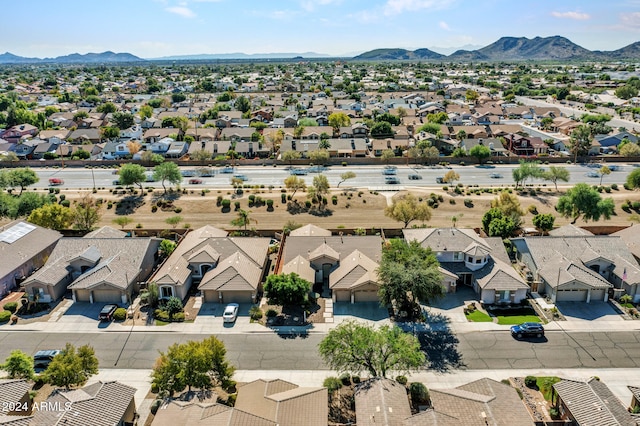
{"x":82,"y":313}
{"x":581,"y":311}
{"x":371,"y":311}
{"x":452,"y":304}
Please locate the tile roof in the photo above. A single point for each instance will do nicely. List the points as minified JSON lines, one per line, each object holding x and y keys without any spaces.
{"x":13,"y":390}
{"x":234,"y":273}
{"x":631,"y":237}
{"x":324,"y":250}
{"x":15,"y":420}
{"x":177,"y":413}
{"x":99,"y":404}
{"x":309,"y":231}
{"x":370,"y":246}
{"x":569,"y":230}
{"x":381,"y":402}
{"x":300,"y":266}
{"x":355,"y":270}
{"x":592,"y":403}
{"x":25,"y":248}
{"x":106,"y":232}
{"x":445,"y":239}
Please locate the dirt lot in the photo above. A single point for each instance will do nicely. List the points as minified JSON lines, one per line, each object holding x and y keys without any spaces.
{"x":363,"y":209}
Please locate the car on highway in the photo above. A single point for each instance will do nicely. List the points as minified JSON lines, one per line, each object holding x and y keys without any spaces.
{"x":195,"y":181}
{"x":415,"y":176}
{"x":42,"y":359}
{"x":614,"y":168}
{"x":56,"y":181}
{"x":230,"y":313}
{"x":316,"y":169}
{"x":188,"y":173}
{"x":390,"y":180}
{"x":440,"y":179}
{"x":389,"y":170}
{"x":298,"y":172}
{"x":241,"y":177}
{"x":495,"y":176}
{"x":527,"y":329}
{"x":116,"y":182}
{"x":593,"y":174}
{"x":149,"y":178}
{"x":227,"y":169}
{"x":106,"y":314}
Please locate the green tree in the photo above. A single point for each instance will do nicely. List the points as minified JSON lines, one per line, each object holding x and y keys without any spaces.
{"x":354,"y":347}
{"x":122,"y":221}
{"x":86,"y":213}
{"x":582,"y":200}
{"x":451,"y":177}
{"x":319,"y":189}
{"x":626,"y":92}
{"x":526,"y":170}
{"x":604,"y":171}
{"x":408,"y":274}
{"x":319,"y":156}
{"x":200,"y":155}
{"x":630,"y":150}
{"x":580,"y":141}
{"x":555,"y":174}
{"x":243,"y":219}
{"x":472,"y":96}
{"x":509,"y":204}
{"x":52,"y":216}
{"x":287,"y":290}
{"x":173,"y":221}
{"x":633,"y":179}
{"x":72,"y":367}
{"x":432,"y":128}
{"x":387,"y":154}
{"x":132,"y":174}
{"x":146,"y":111}
{"x":407,"y":208}
{"x":389,"y":118}
{"x":110,"y":133}
{"x":381,"y":129}
{"x":107,"y":108}
{"x":167,"y":247}
{"x":19,"y":365}
{"x":22,"y":178}
{"x":544,"y":222}
{"x":346,"y":176}
{"x":123,"y":120}
{"x":150,"y":158}
{"x":176,"y":98}
{"x":242,"y":104}
{"x":191,"y":364}
{"x":480,"y":152}
{"x":290,"y":156}
{"x":337,"y":120}
{"x":294,"y":183}
{"x":167,"y":172}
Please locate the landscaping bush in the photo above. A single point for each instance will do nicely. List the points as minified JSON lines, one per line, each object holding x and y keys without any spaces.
{"x":554,"y":413}
{"x":155,"y":405}
{"x":332,"y":384}
{"x":236,"y":205}
{"x":269,"y":204}
{"x":11,"y":307}
{"x":614,"y":186}
{"x":355,"y":379}
{"x":419,"y":393}
{"x":179,"y":317}
{"x":226,"y":204}
{"x":153,"y":208}
{"x":161,"y":315}
{"x":283,"y":198}
{"x":635,"y":205}
{"x":178,"y":210}
{"x":626,"y":207}
{"x":531,"y":382}
{"x":65,"y":203}
{"x":345,"y":378}
{"x":120,"y":314}
{"x":533,"y":209}
{"x":468,"y":202}
{"x":271,"y":313}
{"x":255,"y":313}
{"x":402,"y":380}
{"x":5,"y":316}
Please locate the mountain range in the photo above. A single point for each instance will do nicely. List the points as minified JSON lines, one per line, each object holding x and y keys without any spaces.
{"x":511,"y":49}
{"x":504,"y":49}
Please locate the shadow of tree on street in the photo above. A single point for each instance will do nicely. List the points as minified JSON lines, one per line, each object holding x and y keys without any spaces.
{"x":439,"y":343}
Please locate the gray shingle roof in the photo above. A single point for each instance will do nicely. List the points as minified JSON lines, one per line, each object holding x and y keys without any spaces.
{"x":106,"y":232}
{"x":370,"y":246}
{"x":310,"y":231}
{"x":12,"y":391}
{"x":381,"y":402}
{"x":591,"y":403}
{"x":355,"y":270}
{"x":196,"y":414}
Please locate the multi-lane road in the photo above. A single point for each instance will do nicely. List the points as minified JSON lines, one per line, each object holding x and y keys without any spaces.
{"x":366,"y":176}
{"x":267,"y":351}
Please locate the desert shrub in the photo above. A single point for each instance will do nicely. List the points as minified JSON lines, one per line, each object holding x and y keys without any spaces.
{"x":402,"y":380}
{"x":155,"y":404}
{"x":271,"y":313}
{"x":5,"y":316}
{"x":161,"y":315}
{"x":11,"y":307}
{"x":255,"y":313}
{"x":178,"y":210}
{"x":269,"y":204}
{"x":226,"y":204}
{"x":120,"y":314}
{"x":533,"y":209}
{"x":153,"y":208}
{"x":635,"y":205}
{"x":236,"y":205}
{"x":614,"y":186}
{"x":452,"y":201}
{"x":531,"y":382}
{"x":178,"y":317}
{"x":419,"y":393}
{"x":345,"y":378}
{"x":468,"y":202}
{"x":554,"y":413}
{"x":332,"y":383}
{"x":65,"y":203}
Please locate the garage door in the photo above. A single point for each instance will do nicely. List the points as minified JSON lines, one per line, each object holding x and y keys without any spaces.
{"x":236,"y":297}
{"x":343,"y":296}
{"x":366,"y":296}
{"x":82,"y":295}
{"x":571,"y":296}
{"x":106,"y":296}
{"x":597,"y":295}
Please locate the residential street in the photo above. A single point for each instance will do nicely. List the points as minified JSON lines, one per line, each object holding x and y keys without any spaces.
{"x":266,"y":351}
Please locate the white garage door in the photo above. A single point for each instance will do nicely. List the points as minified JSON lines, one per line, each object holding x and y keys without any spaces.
{"x":597,"y":295}
{"x":366,"y":296}
{"x":571,"y":296}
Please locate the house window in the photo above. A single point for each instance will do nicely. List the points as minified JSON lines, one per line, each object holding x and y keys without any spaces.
{"x":458,"y":256}
{"x":478,"y":260}
{"x":166,"y":292}
{"x":469,"y":259}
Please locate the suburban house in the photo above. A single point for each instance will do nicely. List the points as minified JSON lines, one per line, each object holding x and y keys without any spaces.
{"x":346,"y":265}
{"x":259,"y":403}
{"x":15,"y":133}
{"x":101,"y":403}
{"x":14,"y":393}
{"x":580,"y":268}
{"x":590,"y":403}
{"x":526,"y":145}
{"x":104,"y":268}
{"x":614,"y":140}
{"x":24,"y":247}
{"x":468,"y":259}
{"x":631,"y":237}
{"x":384,"y":402}
{"x":226,"y":269}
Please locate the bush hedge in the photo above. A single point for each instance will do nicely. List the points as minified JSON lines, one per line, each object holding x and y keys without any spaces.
{"x":11,"y":307}
{"x":120,"y":314}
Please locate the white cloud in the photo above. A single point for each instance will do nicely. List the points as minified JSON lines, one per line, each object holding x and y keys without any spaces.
{"x":395,"y":7}
{"x":310,"y":5}
{"x":630,"y":20}
{"x":578,"y":16}
{"x":444,"y":26}
{"x":183,"y":11}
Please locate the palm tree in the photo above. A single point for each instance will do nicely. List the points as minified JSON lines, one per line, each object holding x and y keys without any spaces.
{"x":243,"y":219}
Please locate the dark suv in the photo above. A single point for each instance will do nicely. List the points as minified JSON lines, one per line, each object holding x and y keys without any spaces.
{"x":42,"y":359}
{"x":106,"y":314}
{"x":527,"y":329}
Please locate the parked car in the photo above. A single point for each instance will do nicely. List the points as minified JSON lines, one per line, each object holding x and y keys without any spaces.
{"x":106,"y":314}
{"x":527,"y":329}
{"x":415,"y":176}
{"x":495,"y":176}
{"x":390,"y":180}
{"x":195,"y":181}
{"x":42,"y":359}
{"x":56,"y":181}
{"x":298,"y":172}
{"x":230,"y":313}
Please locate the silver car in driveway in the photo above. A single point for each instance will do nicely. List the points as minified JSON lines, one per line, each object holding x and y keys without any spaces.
{"x":230,"y":313}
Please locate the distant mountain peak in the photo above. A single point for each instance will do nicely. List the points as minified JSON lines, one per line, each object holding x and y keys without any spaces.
{"x":104,"y":57}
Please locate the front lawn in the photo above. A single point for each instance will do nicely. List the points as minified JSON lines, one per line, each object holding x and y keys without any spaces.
{"x":478,"y":316}
{"x":515,"y":316}
{"x":545,"y":385}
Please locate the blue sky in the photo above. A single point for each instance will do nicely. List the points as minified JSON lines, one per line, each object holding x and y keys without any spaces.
{"x":155,"y":28}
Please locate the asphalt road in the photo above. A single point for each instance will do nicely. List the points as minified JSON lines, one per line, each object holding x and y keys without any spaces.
{"x":366,"y":176}
{"x":486,"y":350}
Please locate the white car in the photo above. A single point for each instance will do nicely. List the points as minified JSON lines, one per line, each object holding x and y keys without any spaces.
{"x":230,"y":312}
